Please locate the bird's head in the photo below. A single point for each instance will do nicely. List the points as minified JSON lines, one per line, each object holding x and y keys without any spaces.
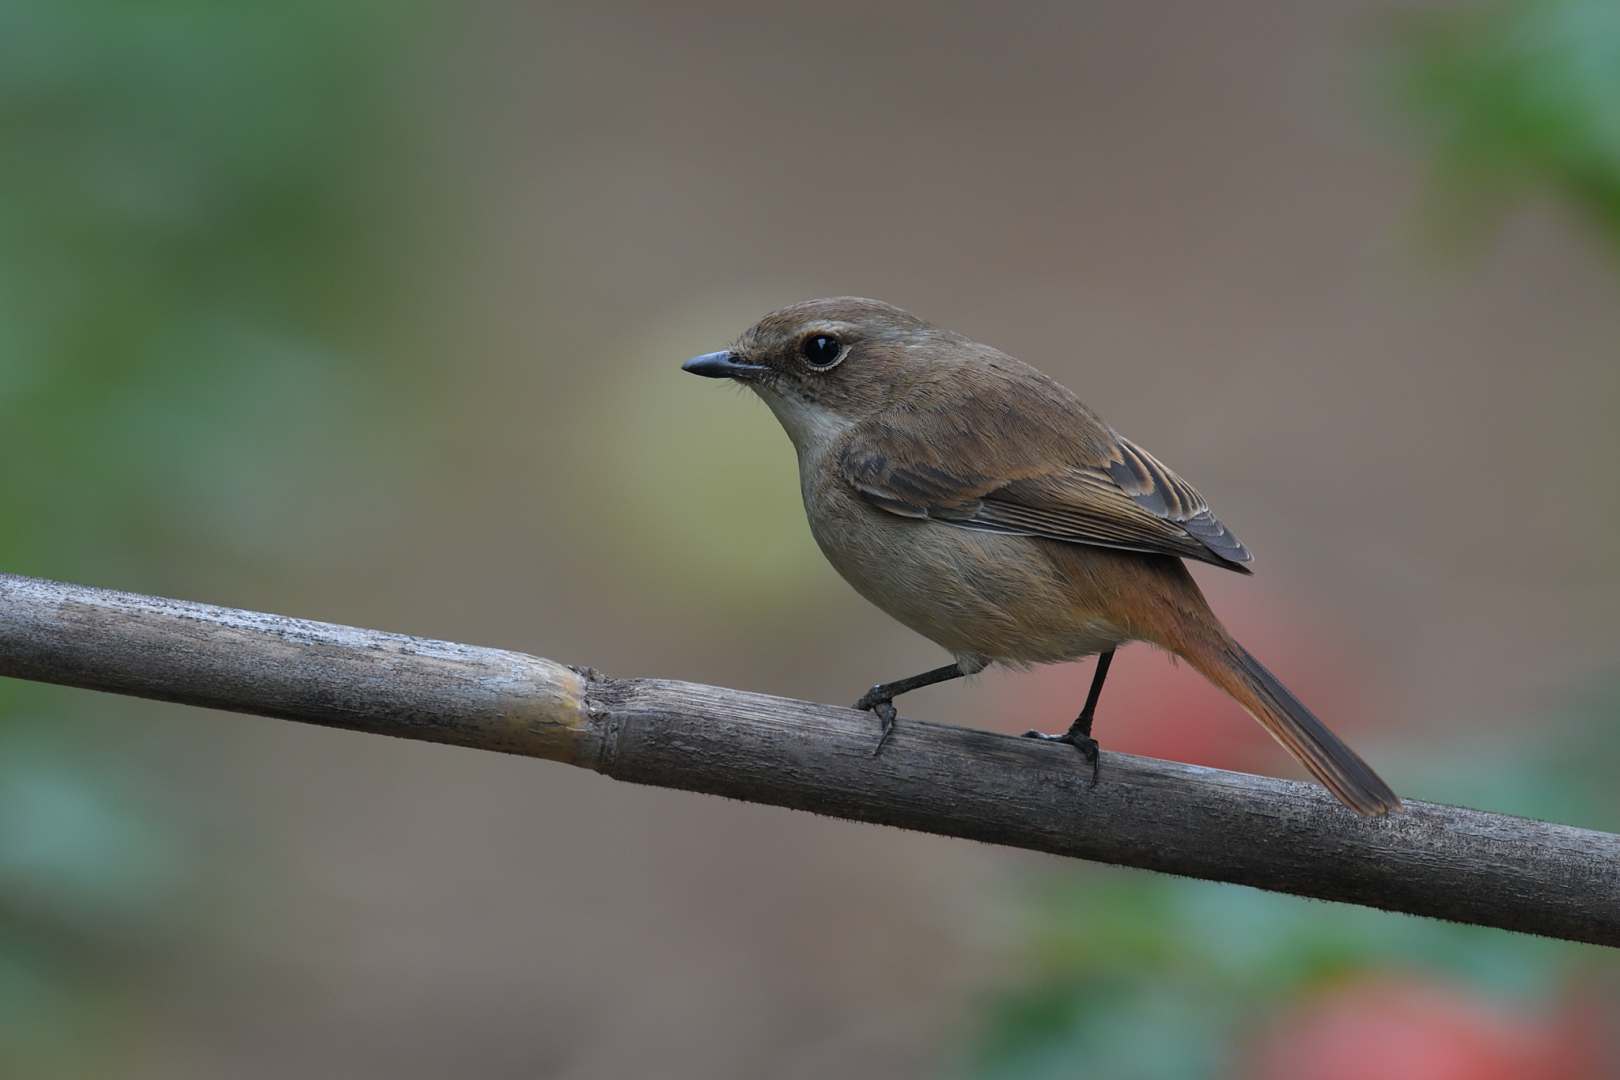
{"x":824,"y":365}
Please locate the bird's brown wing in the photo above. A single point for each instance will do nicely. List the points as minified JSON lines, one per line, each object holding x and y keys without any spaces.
{"x":1033,"y":462}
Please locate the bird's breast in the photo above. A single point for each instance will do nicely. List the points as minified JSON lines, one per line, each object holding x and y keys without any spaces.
{"x":992,"y":596}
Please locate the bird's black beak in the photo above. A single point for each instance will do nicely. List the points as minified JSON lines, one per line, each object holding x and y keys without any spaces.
{"x":722,"y":365}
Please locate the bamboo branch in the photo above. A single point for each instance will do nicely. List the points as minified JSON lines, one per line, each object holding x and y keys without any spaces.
{"x":1443,"y":861}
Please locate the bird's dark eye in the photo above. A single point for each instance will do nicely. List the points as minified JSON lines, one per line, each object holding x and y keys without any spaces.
{"x":821,"y":350}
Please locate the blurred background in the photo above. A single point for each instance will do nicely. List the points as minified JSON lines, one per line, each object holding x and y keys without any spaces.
{"x":372,"y":312}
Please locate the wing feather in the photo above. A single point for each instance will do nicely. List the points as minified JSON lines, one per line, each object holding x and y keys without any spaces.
{"x":1040,"y":464}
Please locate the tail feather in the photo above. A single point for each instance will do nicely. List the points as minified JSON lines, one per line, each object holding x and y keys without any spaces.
{"x":1340,"y":769}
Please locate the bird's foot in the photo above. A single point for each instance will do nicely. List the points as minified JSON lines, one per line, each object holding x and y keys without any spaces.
{"x":883,"y":708}
{"x":1079,"y":740}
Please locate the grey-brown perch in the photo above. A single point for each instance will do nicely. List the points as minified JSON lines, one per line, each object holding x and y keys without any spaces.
{"x":1442,"y":861}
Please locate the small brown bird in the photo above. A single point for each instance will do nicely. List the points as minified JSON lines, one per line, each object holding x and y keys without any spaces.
{"x":987,"y":508}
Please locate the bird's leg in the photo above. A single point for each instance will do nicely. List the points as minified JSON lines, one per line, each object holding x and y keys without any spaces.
{"x":880,"y":699}
{"x":1079,"y":733}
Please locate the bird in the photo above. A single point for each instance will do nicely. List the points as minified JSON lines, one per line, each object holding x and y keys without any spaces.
{"x":983,"y":505}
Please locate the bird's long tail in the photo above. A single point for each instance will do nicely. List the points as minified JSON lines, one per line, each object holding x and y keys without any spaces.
{"x":1340,"y":769}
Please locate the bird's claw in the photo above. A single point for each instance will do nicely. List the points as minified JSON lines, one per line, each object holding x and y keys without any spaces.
{"x":883,"y":708}
{"x":1084,"y":743}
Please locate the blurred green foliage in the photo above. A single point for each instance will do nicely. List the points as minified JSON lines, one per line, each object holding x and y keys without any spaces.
{"x":1130,"y":975}
{"x":190,"y":193}
{"x":1517,"y":99}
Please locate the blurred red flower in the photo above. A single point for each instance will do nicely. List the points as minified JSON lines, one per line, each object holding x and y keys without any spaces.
{"x":1403,"y":1028}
